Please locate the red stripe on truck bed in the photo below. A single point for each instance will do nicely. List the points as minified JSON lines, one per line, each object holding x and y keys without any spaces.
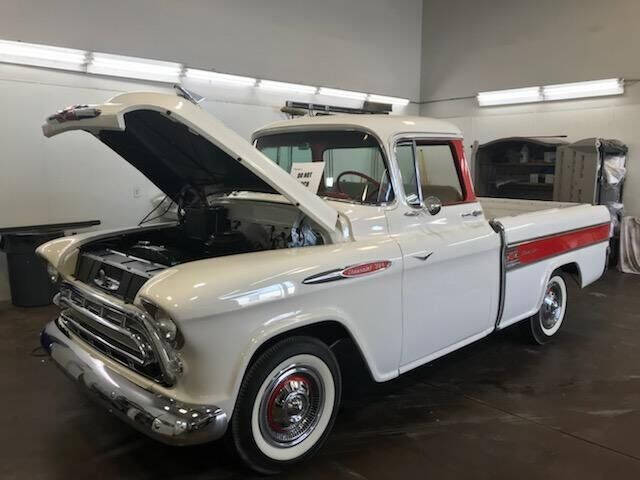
{"x":531,"y":251}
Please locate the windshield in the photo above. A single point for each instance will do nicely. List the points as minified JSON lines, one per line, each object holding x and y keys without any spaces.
{"x":354,"y":164}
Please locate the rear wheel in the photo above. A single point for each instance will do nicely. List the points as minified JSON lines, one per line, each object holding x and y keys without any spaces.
{"x":542,"y":326}
{"x":287,"y":404}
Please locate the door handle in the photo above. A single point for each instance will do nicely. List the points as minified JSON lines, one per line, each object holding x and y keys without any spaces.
{"x":475,"y":213}
{"x":412,"y":213}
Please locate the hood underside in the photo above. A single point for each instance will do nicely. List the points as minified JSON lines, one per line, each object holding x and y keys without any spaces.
{"x":174,"y":157}
{"x":179,"y":146}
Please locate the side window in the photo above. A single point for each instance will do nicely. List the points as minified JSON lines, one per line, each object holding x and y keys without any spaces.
{"x":404,"y":157}
{"x":438,"y":173}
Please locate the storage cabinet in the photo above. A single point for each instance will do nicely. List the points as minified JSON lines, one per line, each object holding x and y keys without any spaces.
{"x":517,"y":167}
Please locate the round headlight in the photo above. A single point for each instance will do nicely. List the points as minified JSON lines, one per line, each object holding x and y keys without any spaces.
{"x":53,"y":273}
{"x":166,"y":327}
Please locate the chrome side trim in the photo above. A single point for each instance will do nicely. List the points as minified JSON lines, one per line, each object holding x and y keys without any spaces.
{"x":156,"y":415}
{"x":511,"y":268}
{"x":563,"y":232}
{"x":330,"y":276}
{"x":424,"y":257}
{"x":350,"y":271}
{"x":499,"y":229}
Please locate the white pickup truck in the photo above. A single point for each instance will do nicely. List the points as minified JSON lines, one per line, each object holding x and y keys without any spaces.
{"x":225,"y":320}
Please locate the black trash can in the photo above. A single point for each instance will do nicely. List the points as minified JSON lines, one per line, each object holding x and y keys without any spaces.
{"x":28,"y":278}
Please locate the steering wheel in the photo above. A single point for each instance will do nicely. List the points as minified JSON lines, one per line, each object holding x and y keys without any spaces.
{"x":362,"y":175}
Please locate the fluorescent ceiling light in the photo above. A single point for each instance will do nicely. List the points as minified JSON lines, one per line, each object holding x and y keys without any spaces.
{"x":133,"y":67}
{"x":510,"y":97}
{"x":596,"y":88}
{"x":42,"y":55}
{"x":171,"y":72}
{"x":334,"y":92}
{"x":208,"y":76}
{"x":391,"y":100}
{"x":290,"y":87}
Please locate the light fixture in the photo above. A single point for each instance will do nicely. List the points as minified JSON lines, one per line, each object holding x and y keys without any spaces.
{"x":204,"y":75}
{"x":42,"y":55}
{"x":385,"y":99}
{"x":133,"y":67}
{"x":169,"y":72}
{"x":334,"y":92}
{"x":595,"y":88}
{"x":510,"y":97}
{"x":289,"y":87}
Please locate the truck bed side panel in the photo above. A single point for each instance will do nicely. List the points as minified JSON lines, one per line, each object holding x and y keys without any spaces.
{"x":550,"y":239}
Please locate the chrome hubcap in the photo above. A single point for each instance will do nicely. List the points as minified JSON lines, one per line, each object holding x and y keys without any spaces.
{"x":291,"y":406}
{"x":551,"y":306}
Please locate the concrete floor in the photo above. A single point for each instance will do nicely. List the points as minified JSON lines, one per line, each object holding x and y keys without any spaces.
{"x":497,"y":409}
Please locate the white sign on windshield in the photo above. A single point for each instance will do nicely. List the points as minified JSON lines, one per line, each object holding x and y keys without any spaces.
{"x":308,"y":174}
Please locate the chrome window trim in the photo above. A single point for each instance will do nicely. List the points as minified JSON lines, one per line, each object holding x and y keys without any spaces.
{"x":413,"y":138}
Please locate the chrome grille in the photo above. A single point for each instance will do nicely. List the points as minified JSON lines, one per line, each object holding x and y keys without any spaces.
{"x":119,"y":334}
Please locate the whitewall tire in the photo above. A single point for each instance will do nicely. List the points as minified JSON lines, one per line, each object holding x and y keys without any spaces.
{"x":287,"y":404}
{"x":547,"y":322}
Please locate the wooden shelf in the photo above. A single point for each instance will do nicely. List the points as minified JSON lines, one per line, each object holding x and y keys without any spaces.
{"x":526,"y":164}
{"x":526,"y":185}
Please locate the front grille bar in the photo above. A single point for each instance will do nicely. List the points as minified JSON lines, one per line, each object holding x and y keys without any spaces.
{"x":142,"y":348}
{"x":155,"y":352}
{"x":66,"y":318}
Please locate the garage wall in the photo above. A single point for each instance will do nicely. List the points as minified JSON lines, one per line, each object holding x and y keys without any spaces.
{"x":500,"y":44}
{"x":371,"y":45}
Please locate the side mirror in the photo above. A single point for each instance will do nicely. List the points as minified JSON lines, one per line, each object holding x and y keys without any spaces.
{"x":433,"y":205}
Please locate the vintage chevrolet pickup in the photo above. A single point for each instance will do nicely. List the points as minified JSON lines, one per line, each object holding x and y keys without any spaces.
{"x":225,"y":320}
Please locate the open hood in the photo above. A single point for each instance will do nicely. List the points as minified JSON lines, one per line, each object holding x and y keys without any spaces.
{"x":176,"y":144}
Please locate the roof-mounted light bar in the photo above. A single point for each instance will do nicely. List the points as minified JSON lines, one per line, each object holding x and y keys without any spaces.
{"x":159,"y":71}
{"x":550,"y":93}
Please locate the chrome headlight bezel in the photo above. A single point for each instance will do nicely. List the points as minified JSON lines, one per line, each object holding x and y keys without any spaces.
{"x":53,"y":274}
{"x":166,"y":327}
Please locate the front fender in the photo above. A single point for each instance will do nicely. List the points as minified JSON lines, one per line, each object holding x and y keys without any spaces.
{"x":227,"y":307}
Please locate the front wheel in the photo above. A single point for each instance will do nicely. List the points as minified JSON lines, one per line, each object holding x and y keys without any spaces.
{"x":287,"y":404}
{"x":547,"y":322}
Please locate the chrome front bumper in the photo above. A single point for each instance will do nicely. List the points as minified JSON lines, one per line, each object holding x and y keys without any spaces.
{"x":155,"y":415}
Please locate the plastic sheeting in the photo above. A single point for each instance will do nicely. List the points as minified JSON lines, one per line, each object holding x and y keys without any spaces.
{"x":630,"y":245}
{"x":614,"y":158}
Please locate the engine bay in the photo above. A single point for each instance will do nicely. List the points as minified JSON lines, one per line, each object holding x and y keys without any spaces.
{"x":121,"y":264}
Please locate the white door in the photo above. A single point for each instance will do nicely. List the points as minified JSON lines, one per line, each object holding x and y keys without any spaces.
{"x":451,"y":257}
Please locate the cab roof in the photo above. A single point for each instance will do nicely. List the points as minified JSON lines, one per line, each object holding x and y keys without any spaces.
{"x":384,"y":126}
